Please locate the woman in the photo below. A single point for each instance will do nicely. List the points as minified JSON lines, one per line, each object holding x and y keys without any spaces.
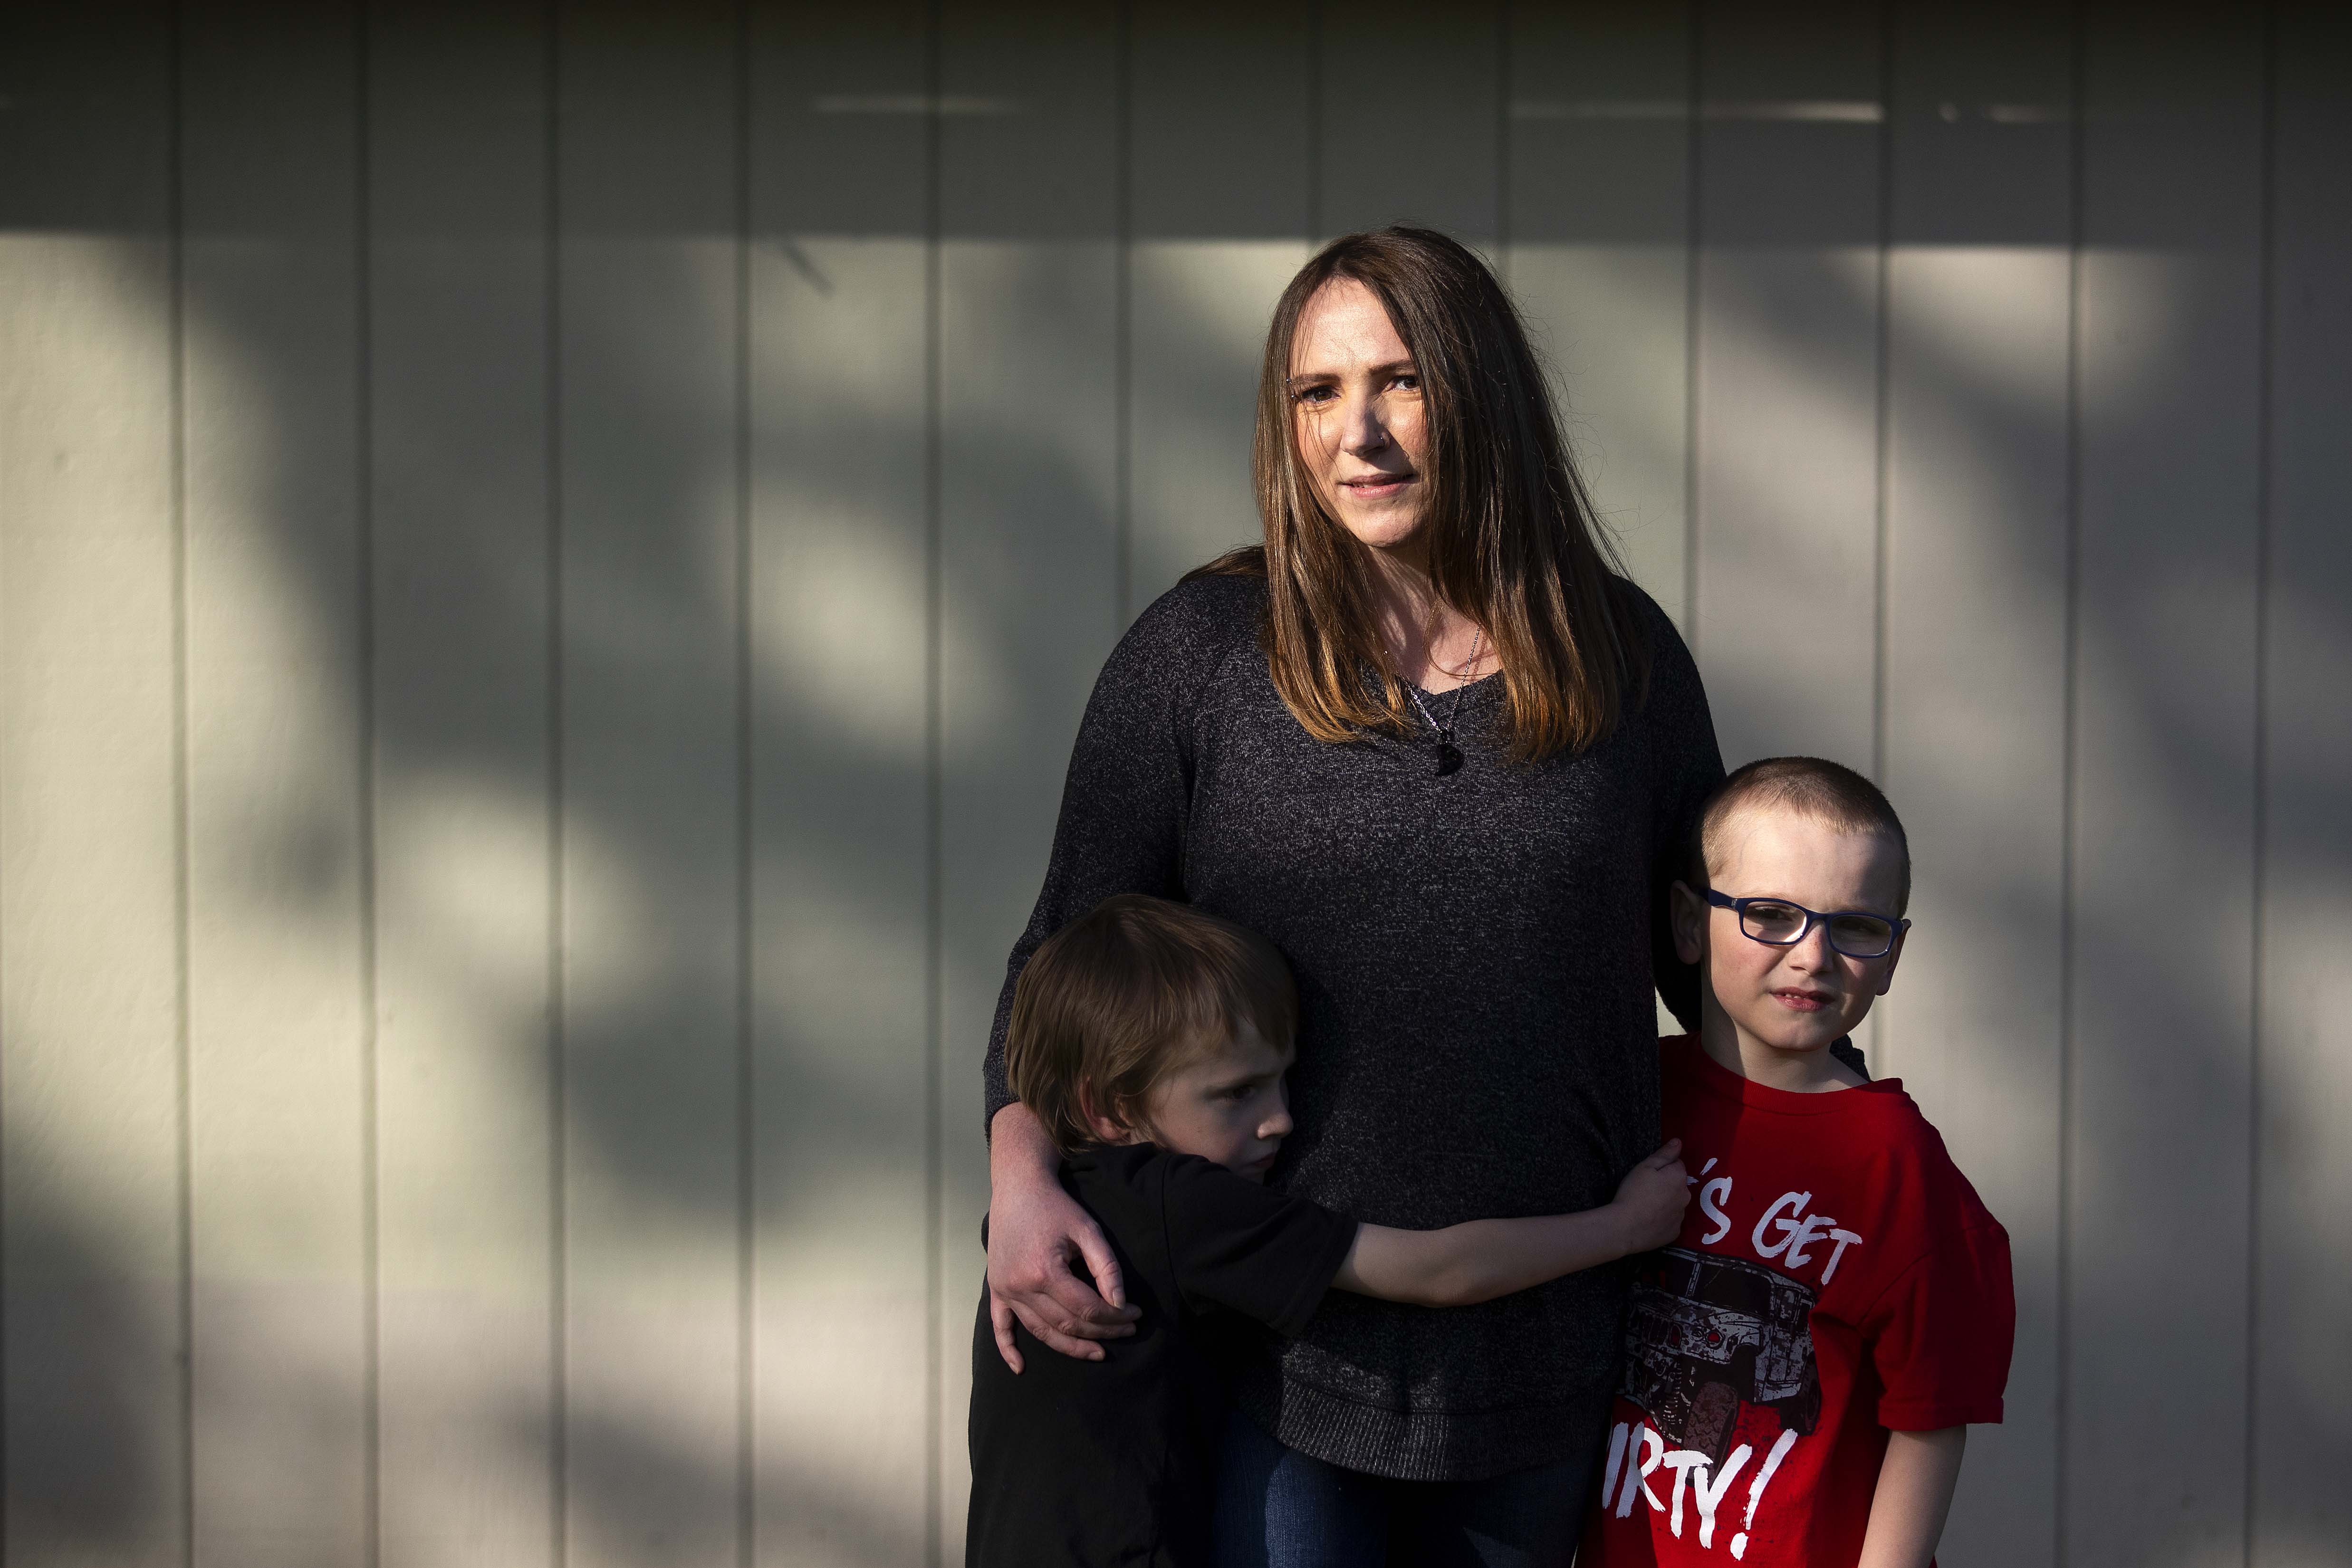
{"x":1430,"y":743}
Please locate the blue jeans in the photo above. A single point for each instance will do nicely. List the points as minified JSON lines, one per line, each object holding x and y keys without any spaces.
{"x":1276,"y":1507}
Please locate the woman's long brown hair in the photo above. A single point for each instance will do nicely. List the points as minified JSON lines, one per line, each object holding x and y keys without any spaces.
{"x":1512,"y":543}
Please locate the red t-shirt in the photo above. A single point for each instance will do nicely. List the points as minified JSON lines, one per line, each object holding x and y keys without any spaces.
{"x":1836,"y":1278}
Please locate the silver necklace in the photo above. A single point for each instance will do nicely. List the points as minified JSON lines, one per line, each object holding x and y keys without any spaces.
{"x":1449,"y":755}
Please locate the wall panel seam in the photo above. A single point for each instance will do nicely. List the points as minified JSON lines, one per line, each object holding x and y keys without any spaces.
{"x":2077,"y":118}
{"x":1881,"y":537}
{"x":1123,"y":318}
{"x":364,"y":685}
{"x":934,"y":827}
{"x":1315,"y":124}
{"x":745,"y":1066}
{"x":1694,"y":22}
{"x":6,"y":729}
{"x":182,"y":831}
{"x":2265,"y":353}
{"x":1503,"y":138}
{"x":559,"y":1088}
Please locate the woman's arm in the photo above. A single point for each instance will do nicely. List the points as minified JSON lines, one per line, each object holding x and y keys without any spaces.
{"x":1120,"y":830}
{"x":1035,"y":1233}
{"x":1477,"y":1260}
{"x":1914,"y":1493}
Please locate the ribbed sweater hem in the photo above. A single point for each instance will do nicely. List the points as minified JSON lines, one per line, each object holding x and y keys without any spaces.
{"x":1423,"y":1445}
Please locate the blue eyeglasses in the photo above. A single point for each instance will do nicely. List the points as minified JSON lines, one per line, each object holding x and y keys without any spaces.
{"x":1783,"y":923}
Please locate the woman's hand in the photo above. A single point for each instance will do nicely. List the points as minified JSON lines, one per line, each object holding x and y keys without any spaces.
{"x":1037,"y":1234}
{"x":1652,"y":1199}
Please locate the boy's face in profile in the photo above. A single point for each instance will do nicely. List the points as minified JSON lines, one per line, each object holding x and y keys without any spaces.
{"x":1797,"y":999}
{"x":1227,"y":1104}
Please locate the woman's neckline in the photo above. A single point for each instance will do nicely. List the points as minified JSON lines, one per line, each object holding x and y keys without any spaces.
{"x":1449,"y":690}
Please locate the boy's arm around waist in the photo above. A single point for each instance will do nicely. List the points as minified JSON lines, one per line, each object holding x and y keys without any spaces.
{"x":1462,"y":1265}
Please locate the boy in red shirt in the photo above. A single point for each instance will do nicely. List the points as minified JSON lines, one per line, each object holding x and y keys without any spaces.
{"x":1802,"y":1365}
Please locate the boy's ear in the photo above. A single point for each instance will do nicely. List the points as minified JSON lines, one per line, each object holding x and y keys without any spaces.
{"x":1107,"y":1131}
{"x":1689,"y":917}
{"x":1894,"y":957}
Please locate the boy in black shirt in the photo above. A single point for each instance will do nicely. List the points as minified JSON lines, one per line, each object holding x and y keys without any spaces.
{"x":1151,"y":1041}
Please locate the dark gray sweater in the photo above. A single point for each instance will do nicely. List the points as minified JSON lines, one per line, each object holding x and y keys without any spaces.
{"x":1475,"y":956}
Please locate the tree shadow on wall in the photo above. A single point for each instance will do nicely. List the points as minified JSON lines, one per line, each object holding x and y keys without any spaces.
{"x":655,"y":867}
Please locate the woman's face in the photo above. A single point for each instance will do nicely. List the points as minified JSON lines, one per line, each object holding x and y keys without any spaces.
{"x":1356,"y":413}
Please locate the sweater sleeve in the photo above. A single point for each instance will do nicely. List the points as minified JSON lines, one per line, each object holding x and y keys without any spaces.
{"x":1125,"y":799}
{"x":1686,"y":766}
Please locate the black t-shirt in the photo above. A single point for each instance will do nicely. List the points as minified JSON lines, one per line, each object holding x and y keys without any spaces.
{"x":1089,"y":1463}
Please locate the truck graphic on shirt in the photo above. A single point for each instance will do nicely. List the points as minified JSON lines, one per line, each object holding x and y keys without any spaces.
{"x":1708,"y":1336}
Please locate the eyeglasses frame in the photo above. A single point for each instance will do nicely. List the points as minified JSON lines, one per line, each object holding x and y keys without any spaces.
{"x":1739,"y":907}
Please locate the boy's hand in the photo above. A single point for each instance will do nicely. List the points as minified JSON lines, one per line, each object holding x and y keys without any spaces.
{"x":1653,"y":1196}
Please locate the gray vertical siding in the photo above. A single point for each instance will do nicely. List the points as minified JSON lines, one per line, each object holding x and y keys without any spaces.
{"x":280,"y":1095}
{"x":648,"y":136}
{"x":2168,"y":602}
{"x":2300,"y":1360}
{"x":1974,"y":737}
{"x":461,"y":512}
{"x":1029,"y":303}
{"x":550,"y":556}
{"x":844,"y":1374}
{"x":93,"y":1237}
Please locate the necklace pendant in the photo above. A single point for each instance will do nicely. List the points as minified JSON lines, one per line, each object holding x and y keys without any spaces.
{"x":1449,"y":759}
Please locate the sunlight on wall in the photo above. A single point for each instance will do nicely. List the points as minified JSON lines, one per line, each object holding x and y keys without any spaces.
{"x":838,"y":636}
{"x":1200,"y":313}
{"x":89,"y":988}
{"x":524,"y":840}
{"x":1614,"y":322}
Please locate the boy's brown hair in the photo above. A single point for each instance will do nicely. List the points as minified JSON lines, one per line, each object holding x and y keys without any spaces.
{"x":1124,"y":995}
{"x":1827,"y":791}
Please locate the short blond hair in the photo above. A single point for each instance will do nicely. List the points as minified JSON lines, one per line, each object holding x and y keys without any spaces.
{"x":1828,"y":792}
{"x":1114,"y":1001}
